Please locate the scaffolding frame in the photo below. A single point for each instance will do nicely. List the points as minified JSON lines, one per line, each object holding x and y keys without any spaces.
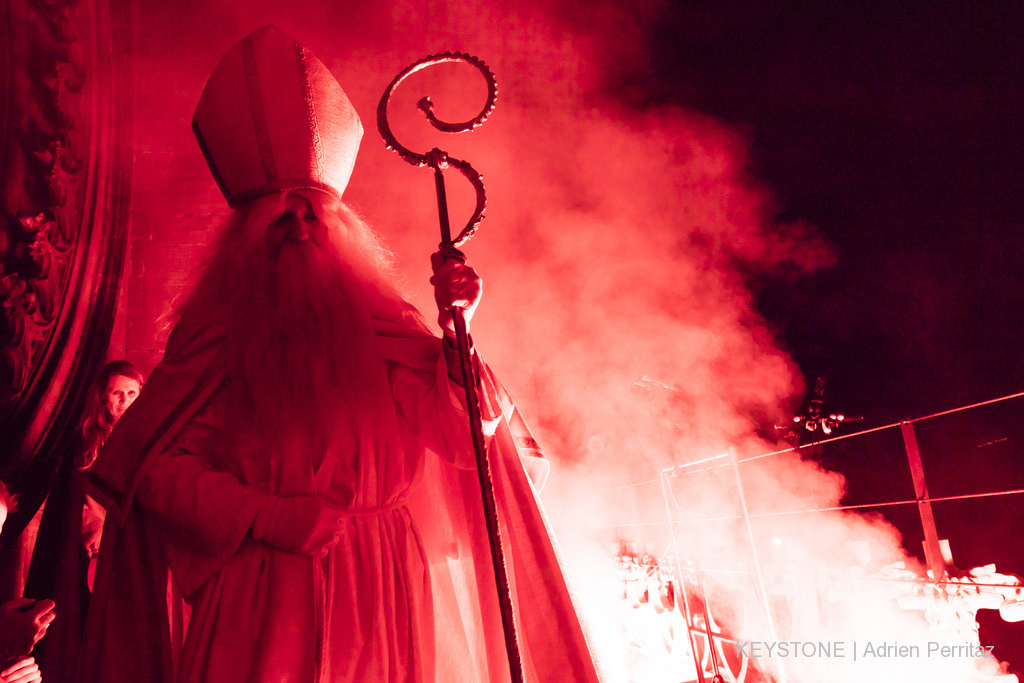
{"x":934,"y":558}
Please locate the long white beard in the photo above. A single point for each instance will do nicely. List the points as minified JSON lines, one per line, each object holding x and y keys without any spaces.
{"x":301,"y":340}
{"x":299,"y":326}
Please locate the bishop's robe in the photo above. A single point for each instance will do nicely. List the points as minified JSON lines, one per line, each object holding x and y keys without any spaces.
{"x":408,"y":593}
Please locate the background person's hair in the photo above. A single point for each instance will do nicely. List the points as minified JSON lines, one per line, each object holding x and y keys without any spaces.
{"x":97,"y":420}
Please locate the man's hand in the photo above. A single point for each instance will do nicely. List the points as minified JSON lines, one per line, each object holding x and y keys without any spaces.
{"x":456,"y":285}
{"x":22,"y":623}
{"x":304,"y":524}
{"x":93,"y":516}
{"x":25,"y":670}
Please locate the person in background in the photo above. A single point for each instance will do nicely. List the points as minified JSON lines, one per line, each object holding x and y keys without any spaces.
{"x":22,"y":623}
{"x":116,"y":388}
{"x":64,"y":559}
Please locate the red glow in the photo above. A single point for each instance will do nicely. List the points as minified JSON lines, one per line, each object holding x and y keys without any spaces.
{"x":616,"y":247}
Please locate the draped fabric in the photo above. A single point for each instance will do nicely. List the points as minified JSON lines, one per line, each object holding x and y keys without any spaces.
{"x":407,"y":595}
{"x":65,"y":188}
{"x":58,"y":572}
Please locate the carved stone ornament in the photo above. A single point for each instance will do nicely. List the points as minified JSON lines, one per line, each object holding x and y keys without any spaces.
{"x":65,"y":173}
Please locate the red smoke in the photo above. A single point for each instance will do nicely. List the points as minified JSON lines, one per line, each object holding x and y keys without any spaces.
{"x":618,"y":244}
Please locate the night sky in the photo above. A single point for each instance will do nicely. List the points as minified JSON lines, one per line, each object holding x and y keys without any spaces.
{"x":895,"y":130}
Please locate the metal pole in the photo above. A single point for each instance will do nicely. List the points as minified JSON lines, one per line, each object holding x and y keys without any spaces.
{"x":717,"y":678}
{"x":682,"y":586}
{"x":932,"y":551}
{"x":760,"y":585}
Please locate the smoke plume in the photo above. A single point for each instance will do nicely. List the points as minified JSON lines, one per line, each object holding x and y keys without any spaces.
{"x":617,"y":254}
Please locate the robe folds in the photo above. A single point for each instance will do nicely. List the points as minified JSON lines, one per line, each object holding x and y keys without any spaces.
{"x":406,"y":596}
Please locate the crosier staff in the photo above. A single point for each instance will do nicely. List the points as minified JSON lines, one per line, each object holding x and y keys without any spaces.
{"x":449,"y":249}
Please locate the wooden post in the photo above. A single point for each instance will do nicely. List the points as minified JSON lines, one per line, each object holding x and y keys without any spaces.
{"x":932,"y":551}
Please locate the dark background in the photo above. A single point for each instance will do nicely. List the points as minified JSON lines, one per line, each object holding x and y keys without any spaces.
{"x":896,"y":130}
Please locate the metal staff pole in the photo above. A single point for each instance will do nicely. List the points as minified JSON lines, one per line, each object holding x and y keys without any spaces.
{"x":439,"y":161}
